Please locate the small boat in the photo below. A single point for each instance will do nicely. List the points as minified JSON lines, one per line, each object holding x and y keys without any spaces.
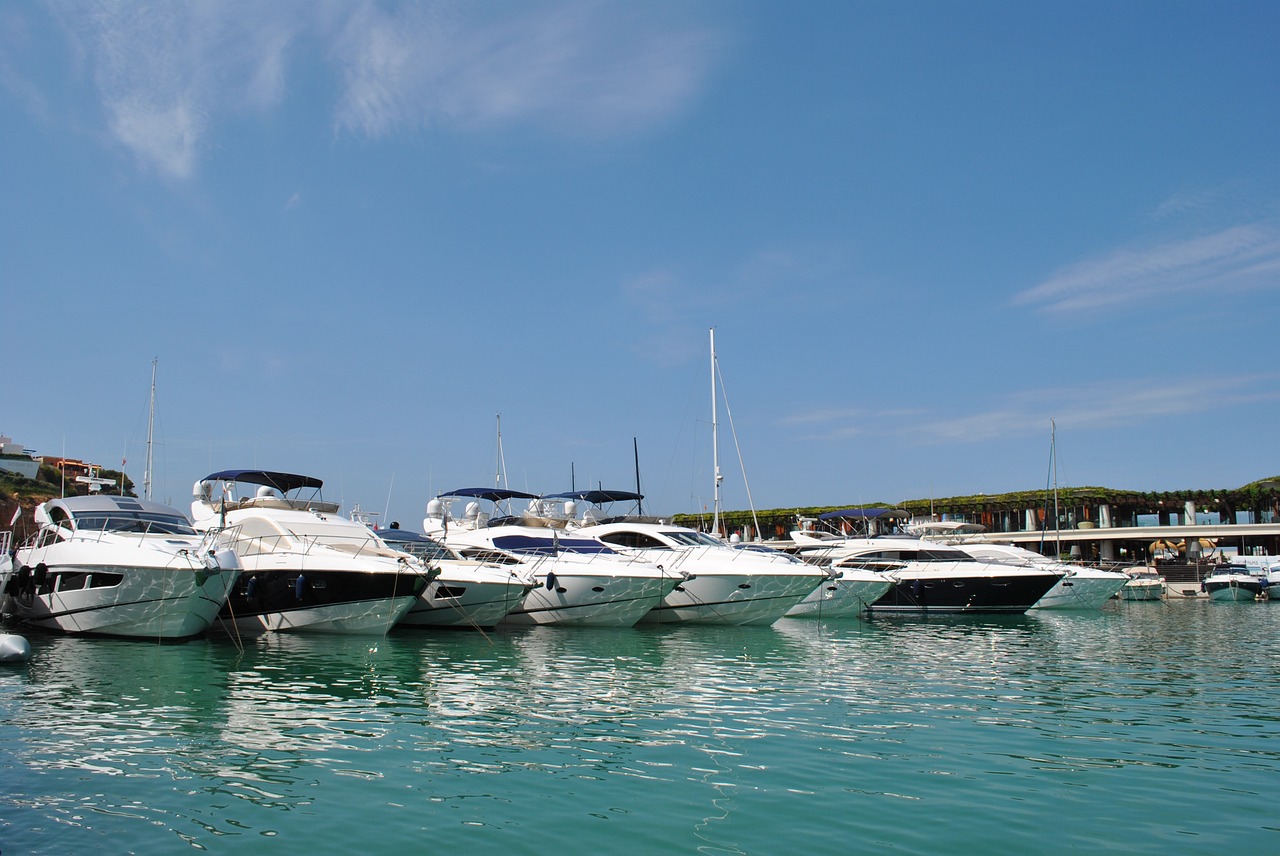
{"x":306,"y":567}
{"x":580,"y":580}
{"x":720,"y":583}
{"x":1234,"y":583}
{"x":1145,"y":585}
{"x":120,"y":566}
{"x":462,"y":592}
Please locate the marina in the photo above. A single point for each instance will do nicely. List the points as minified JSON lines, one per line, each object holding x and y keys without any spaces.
{"x":1146,"y":724}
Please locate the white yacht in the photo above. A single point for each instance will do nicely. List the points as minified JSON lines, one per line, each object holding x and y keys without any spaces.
{"x":1081,"y":587}
{"x":462,"y":592}
{"x":120,"y":566}
{"x":926,"y":577}
{"x":306,"y":568}
{"x":580,"y":580}
{"x":720,"y":583}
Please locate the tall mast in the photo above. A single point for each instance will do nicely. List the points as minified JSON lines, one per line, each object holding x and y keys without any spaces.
{"x":715,"y":441}
{"x":635,"y":449}
{"x":1053,"y":453}
{"x":151,"y":423}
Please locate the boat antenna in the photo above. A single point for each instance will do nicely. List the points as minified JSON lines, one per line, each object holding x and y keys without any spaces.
{"x":635,"y":448}
{"x":151,"y":424}
{"x":501,"y":473}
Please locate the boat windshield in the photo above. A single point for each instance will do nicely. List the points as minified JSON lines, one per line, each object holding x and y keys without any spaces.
{"x":693,"y":539}
{"x":528,"y":544}
{"x":148,"y":522}
{"x":924,"y":554}
{"x":423,"y":548}
{"x":334,"y":533}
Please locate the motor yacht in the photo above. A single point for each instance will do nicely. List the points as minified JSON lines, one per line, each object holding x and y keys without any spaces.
{"x":580,"y":580}
{"x":927,"y":577}
{"x":120,"y":566}
{"x":306,"y":567}
{"x":721,"y":583}
{"x":1081,"y":587}
{"x":463,"y":592}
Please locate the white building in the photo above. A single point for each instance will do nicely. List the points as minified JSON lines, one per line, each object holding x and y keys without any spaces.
{"x":14,"y":459}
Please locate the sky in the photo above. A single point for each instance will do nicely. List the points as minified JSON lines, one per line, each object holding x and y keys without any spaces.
{"x":355,"y":238}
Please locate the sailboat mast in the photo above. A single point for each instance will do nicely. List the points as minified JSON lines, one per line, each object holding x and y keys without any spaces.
{"x":635,"y":449}
{"x":715,"y":441}
{"x":151,"y":423}
{"x":1053,"y":453}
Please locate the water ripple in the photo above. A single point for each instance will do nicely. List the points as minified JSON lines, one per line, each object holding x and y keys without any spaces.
{"x":660,"y":738}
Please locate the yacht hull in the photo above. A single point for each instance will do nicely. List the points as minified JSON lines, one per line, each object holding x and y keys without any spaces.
{"x":1011,"y":595}
{"x":119,"y":600}
{"x":1234,"y":590}
{"x":844,"y":596}
{"x":600,"y":600}
{"x":319,"y":601}
{"x":1082,"y":592}
{"x":755,"y":598}
{"x":464,"y":603}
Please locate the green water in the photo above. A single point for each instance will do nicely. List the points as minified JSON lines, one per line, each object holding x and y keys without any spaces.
{"x":1144,"y":728}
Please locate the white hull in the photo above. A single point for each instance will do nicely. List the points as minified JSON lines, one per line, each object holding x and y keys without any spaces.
{"x":755,"y":598}
{"x":1234,"y":592}
{"x":120,"y":566}
{"x":603,"y":600}
{"x":358,"y":617}
{"x":1080,"y":591}
{"x":847,"y":595}
{"x":153,"y":603}
{"x":1143,"y":590}
{"x":456,"y":601}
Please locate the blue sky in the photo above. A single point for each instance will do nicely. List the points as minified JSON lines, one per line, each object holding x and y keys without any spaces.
{"x":353,"y":233}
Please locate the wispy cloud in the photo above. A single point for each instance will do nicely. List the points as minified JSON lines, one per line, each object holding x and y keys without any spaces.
{"x":1237,"y":258}
{"x":1109,"y":404}
{"x":167,"y":74}
{"x":595,"y":68}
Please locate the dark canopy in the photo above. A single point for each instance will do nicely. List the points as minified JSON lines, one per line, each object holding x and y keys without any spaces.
{"x":493,"y":494}
{"x":283,"y":482}
{"x":598,"y":497}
